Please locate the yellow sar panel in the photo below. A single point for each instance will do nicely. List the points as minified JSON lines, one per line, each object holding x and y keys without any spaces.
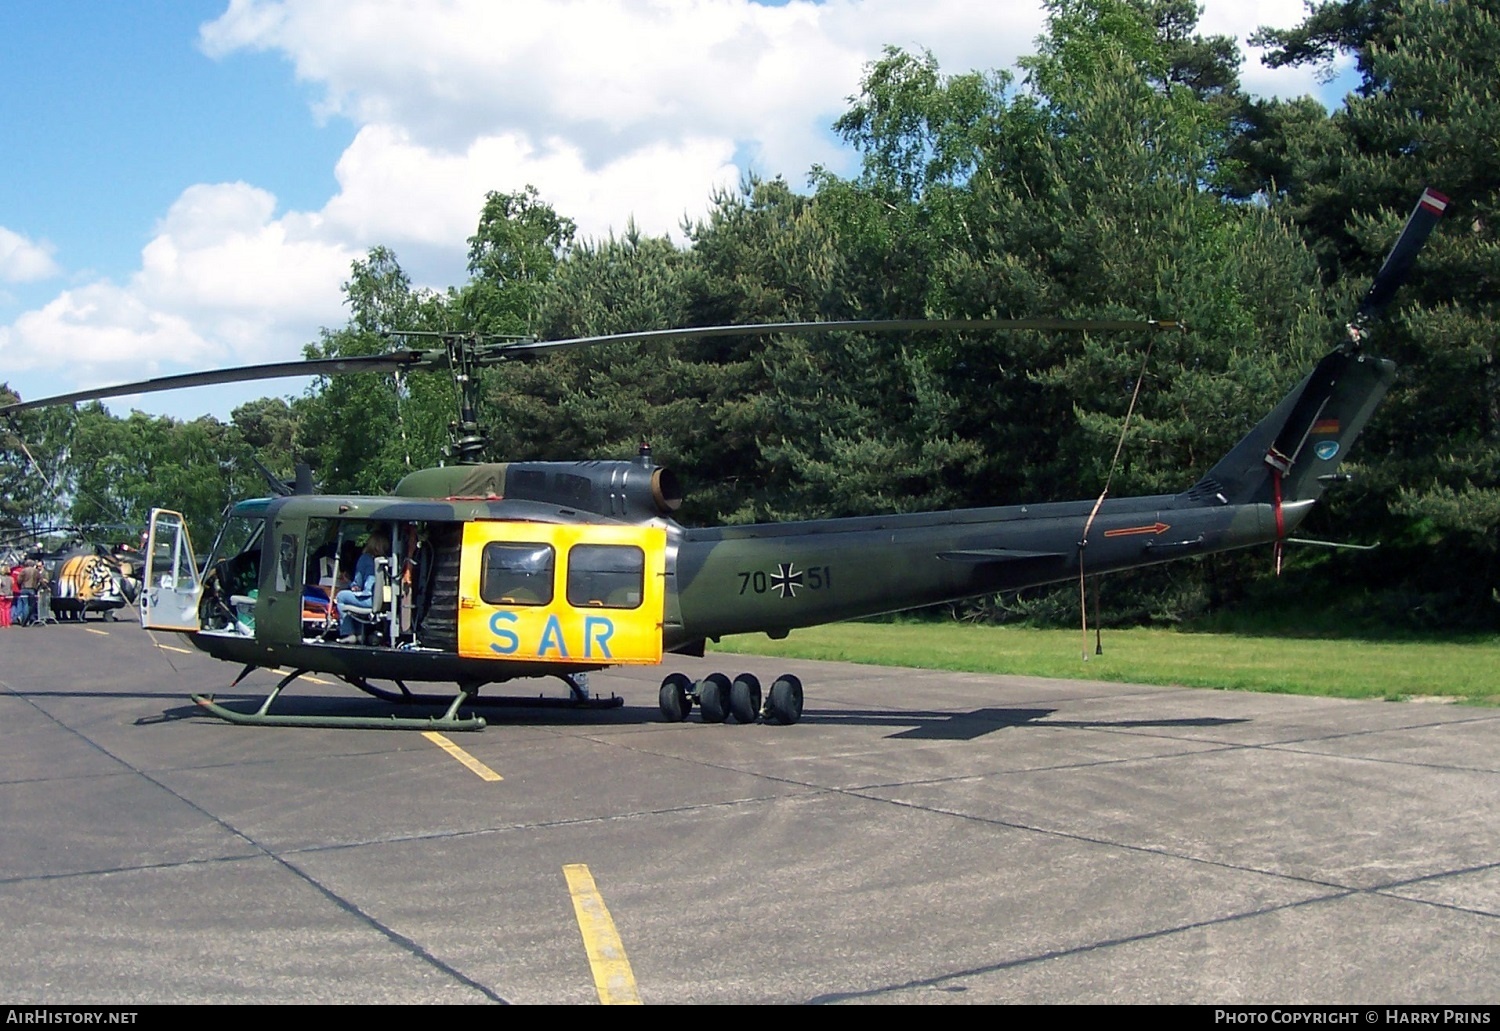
{"x":567,"y":593}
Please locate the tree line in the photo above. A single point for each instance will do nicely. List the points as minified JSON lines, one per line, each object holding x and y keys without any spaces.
{"x":1120,"y":172}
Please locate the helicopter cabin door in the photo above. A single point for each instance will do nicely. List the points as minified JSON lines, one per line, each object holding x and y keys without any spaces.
{"x":578,"y":594}
{"x":172,"y":589}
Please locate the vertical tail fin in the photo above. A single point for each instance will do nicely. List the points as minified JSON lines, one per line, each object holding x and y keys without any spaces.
{"x":1294,"y":452}
{"x":1296,"y":449}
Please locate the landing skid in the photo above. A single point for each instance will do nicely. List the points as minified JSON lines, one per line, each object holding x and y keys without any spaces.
{"x":578,"y":698}
{"x":263,"y":718}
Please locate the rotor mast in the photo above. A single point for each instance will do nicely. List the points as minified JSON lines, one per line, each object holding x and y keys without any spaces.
{"x":467,"y":444}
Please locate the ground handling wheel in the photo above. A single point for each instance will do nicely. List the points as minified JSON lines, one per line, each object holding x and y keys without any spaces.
{"x":674,"y":699}
{"x":785,"y":702}
{"x":713,"y":697}
{"x":744,"y":698}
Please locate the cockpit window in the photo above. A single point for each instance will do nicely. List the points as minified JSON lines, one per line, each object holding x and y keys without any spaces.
{"x":238,"y":535}
{"x":516,"y":573}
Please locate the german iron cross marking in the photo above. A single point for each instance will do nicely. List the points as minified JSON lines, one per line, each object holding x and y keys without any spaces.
{"x":786,"y":579}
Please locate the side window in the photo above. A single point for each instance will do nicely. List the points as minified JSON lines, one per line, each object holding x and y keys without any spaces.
{"x":172,"y":559}
{"x":322,"y":553}
{"x":286,"y":563}
{"x":610,"y":576}
{"x":516,"y":574}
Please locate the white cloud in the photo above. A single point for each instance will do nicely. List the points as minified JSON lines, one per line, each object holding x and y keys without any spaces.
{"x":222,"y":281}
{"x":1242,"y":18}
{"x":611,"y":78}
{"x":603,"y":74}
{"x":395,"y":190}
{"x":455,"y":99}
{"x":614,"y":109}
{"x":22,"y":261}
{"x":252,"y":281}
{"x":99,"y":330}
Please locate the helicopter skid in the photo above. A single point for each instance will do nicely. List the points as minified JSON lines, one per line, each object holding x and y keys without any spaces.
{"x":263,"y":718}
{"x":260,"y":719}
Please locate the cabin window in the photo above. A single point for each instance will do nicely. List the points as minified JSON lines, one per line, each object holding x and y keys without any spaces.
{"x":516,"y":573}
{"x":286,"y":562}
{"x":609,"y":576}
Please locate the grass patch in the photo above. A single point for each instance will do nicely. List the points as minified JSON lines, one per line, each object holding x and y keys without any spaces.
{"x":1463,"y":669}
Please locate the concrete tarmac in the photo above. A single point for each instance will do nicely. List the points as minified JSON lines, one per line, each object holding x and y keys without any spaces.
{"x":918,"y":837}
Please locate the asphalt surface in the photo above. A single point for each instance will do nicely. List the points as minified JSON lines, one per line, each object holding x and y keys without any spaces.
{"x":918,"y":837}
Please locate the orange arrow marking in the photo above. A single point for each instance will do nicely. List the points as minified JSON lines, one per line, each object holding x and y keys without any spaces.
{"x":1131,"y":531}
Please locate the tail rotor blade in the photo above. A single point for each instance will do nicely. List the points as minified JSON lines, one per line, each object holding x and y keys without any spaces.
{"x":1398,"y":264}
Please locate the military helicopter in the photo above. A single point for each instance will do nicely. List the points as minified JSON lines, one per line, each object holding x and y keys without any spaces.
{"x":83,"y":576}
{"x":486,"y":573}
{"x":89,"y":577}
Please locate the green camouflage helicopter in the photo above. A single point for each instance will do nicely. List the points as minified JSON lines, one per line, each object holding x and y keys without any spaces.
{"x":485,"y":573}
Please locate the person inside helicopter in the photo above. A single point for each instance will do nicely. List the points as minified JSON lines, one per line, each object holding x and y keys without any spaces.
{"x":362,"y":585}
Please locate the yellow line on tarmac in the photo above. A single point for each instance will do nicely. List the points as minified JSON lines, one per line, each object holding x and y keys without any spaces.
{"x":170,"y":648}
{"x":310,"y":679}
{"x":102,"y":633}
{"x":612,"y":975}
{"x":478,"y":768}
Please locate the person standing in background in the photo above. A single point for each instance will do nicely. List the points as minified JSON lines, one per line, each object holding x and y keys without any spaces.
{"x":21,"y":610}
{"x":7,"y":594}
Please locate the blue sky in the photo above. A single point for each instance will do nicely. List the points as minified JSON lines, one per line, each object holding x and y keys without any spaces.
{"x":109,"y":110}
{"x":184,"y":183}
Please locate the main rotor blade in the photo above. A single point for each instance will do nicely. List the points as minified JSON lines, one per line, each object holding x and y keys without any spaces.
{"x":858,"y":326}
{"x":275,"y":370}
{"x":1398,"y":264}
{"x":493,"y":353}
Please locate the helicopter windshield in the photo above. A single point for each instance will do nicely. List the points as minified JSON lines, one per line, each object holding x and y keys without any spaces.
{"x":240,"y":533}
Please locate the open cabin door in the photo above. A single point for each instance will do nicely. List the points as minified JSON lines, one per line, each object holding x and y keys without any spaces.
{"x":172,"y":589}
{"x":571,"y":593}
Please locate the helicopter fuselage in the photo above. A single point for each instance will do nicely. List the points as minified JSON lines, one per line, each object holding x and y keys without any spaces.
{"x":493,"y":572}
{"x":451,"y":618}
